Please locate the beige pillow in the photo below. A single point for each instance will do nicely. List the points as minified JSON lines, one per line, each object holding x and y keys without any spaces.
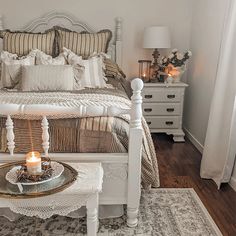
{"x":21,"y":43}
{"x":45,"y":59}
{"x":11,"y":68}
{"x":47,"y":78}
{"x":88,"y":73}
{"x":83,"y":43}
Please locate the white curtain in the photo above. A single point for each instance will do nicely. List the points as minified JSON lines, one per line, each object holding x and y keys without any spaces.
{"x":218,"y":158}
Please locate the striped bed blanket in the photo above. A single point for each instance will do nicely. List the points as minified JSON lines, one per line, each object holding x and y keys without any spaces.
{"x":72,"y":133}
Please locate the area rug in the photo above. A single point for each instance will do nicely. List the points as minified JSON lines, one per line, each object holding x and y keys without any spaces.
{"x":163,"y":212}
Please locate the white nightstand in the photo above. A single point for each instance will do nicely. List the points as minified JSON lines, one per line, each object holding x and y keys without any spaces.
{"x":163,"y":108}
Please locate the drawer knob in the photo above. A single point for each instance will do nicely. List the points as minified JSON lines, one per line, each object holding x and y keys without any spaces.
{"x":148,"y":96}
{"x":171,"y":96}
{"x":149,"y":122}
{"x":170,"y":109}
{"x":147,"y":109}
{"x":169,"y":122}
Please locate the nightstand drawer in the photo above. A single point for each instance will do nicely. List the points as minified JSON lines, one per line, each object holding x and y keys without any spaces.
{"x":161,"y":95}
{"x":161,"y":109}
{"x":156,"y":122}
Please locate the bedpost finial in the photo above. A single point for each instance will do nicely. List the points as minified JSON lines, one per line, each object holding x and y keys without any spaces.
{"x":119,"y":20}
{"x":137,"y":84}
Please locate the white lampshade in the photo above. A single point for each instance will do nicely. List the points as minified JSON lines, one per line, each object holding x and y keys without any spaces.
{"x":156,"y":37}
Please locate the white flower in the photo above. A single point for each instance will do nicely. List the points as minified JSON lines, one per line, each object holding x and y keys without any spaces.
{"x":190,"y":53}
{"x":165,"y":60}
{"x":175,"y":50}
{"x":171,"y":56}
{"x":179,"y":56}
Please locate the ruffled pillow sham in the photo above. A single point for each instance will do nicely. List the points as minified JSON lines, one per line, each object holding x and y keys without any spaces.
{"x":88,"y":73}
{"x":11,"y":68}
{"x":45,"y":59}
{"x":83,"y":43}
{"x":21,"y":43}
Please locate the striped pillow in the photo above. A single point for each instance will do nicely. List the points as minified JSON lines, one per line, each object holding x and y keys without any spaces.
{"x":88,"y":73}
{"x":112,"y":69}
{"x":83,"y":43}
{"x":93,"y":74}
{"x":21,"y":43}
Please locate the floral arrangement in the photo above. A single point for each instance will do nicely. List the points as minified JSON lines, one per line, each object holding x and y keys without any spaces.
{"x":175,"y":64}
{"x":176,"y":58}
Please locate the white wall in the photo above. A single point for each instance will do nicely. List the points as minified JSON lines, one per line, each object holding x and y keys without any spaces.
{"x":101,"y":13}
{"x":207,"y":25}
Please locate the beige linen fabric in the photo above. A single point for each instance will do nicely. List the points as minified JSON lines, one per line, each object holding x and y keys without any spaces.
{"x":83,"y":43}
{"x":21,"y":43}
{"x":45,"y":59}
{"x":88,"y":73}
{"x":47,"y":77}
{"x":11,"y":68}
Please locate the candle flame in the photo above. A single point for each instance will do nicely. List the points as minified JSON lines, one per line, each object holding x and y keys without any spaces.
{"x":33,"y":156}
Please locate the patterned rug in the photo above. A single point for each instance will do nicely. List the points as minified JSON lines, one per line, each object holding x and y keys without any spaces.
{"x":163,"y":212}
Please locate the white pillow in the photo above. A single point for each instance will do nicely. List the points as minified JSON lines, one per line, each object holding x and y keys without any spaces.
{"x":47,"y":78}
{"x":88,"y":73}
{"x":45,"y":59}
{"x":11,"y":68}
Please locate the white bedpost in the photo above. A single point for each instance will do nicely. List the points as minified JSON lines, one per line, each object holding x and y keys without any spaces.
{"x":119,"y":41}
{"x":10,"y":135}
{"x":135,"y":151}
{"x":45,"y":135}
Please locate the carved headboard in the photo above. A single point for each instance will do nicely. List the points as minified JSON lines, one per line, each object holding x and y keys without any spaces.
{"x":69,"y":21}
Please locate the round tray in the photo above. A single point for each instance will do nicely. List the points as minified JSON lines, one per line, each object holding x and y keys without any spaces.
{"x":11,"y":175}
{"x":9,"y":190}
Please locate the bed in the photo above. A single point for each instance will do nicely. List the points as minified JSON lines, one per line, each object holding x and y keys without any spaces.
{"x":88,"y":125}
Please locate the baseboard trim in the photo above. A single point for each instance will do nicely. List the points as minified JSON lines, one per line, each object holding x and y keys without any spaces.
{"x":232,"y":183}
{"x":193,"y":140}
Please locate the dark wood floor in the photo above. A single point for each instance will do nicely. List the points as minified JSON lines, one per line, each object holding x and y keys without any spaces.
{"x":179,"y":166}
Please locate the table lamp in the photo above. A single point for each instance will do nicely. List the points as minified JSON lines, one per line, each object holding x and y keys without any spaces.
{"x":156,"y":37}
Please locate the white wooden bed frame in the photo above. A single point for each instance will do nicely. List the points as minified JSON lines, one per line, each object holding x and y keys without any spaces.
{"x":122,"y":179}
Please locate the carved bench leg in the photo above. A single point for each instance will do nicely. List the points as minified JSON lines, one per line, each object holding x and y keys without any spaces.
{"x":92,"y":215}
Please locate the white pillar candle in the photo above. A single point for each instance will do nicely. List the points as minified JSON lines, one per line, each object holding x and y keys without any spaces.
{"x":169,"y":79}
{"x":33,"y":163}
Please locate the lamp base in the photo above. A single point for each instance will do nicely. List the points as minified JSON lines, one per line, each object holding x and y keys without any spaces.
{"x":155,"y":66}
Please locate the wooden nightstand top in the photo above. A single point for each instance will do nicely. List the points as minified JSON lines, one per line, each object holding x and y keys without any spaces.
{"x":173,"y":85}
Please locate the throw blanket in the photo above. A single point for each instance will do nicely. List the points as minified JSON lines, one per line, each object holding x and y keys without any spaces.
{"x":117,"y":140}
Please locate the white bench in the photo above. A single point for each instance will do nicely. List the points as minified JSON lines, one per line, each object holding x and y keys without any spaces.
{"x":83,"y":192}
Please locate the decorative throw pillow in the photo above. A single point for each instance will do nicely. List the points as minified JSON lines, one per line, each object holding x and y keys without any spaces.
{"x":45,"y":59}
{"x":21,"y":43}
{"x":83,"y":43}
{"x":11,"y":68}
{"x":88,"y":73}
{"x":112,"y":69}
{"x":47,"y":78}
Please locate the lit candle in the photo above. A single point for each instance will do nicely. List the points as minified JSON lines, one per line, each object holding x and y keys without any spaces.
{"x":33,"y":163}
{"x":169,"y":78}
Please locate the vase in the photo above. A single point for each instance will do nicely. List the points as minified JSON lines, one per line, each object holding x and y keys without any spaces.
{"x":179,"y":71}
